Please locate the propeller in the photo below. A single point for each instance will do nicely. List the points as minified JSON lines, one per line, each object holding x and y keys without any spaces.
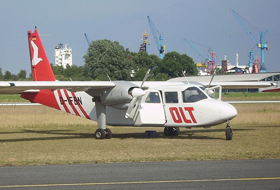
{"x":136,"y":93}
{"x":212,"y":78}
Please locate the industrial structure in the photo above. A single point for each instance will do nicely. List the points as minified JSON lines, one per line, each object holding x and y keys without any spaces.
{"x":209,"y":64}
{"x":63,"y":55}
{"x":260,"y":44}
{"x":157,"y":37}
{"x":88,"y":42}
{"x":143,"y":46}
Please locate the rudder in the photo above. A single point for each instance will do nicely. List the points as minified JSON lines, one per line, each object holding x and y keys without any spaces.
{"x":40,"y":65}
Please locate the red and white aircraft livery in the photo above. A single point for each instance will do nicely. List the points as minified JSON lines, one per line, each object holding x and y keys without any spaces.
{"x":121,"y":103}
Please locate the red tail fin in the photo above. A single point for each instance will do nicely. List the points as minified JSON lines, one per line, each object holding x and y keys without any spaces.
{"x":40,"y":66}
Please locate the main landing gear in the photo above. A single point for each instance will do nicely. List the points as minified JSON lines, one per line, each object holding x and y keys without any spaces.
{"x":229,"y":131}
{"x":171,"y":131}
{"x":103,"y":134}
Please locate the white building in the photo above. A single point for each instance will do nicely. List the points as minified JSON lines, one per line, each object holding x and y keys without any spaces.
{"x":63,"y":55}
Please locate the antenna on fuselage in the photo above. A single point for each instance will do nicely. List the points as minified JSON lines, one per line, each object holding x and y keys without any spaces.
{"x":186,"y":78}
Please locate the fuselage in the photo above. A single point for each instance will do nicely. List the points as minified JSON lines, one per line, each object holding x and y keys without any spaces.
{"x":168,"y":106}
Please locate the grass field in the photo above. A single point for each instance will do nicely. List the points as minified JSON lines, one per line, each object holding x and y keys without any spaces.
{"x":39,"y":135}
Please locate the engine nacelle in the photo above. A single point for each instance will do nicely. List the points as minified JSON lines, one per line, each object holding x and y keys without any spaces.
{"x":120,"y":96}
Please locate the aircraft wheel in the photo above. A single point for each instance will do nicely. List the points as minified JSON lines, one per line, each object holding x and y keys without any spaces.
{"x":100,"y":134}
{"x":171,"y":131}
{"x":168,"y":131}
{"x":108,"y":133}
{"x":229,"y":133}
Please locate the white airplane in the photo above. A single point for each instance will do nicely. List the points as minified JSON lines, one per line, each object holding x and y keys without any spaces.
{"x":122,"y":103}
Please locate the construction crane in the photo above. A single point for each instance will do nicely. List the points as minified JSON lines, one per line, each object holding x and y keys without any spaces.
{"x":260,"y":44}
{"x":198,"y":52}
{"x":87,"y":39}
{"x":210,"y":60}
{"x":157,"y":37}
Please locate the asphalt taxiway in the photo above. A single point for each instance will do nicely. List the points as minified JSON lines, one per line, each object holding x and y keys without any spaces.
{"x":235,"y":174}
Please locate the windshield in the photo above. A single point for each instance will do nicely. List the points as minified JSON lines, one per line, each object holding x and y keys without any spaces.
{"x":193,"y":94}
{"x":210,"y":93}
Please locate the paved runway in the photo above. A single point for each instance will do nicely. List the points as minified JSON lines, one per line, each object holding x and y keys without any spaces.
{"x":244,"y":174}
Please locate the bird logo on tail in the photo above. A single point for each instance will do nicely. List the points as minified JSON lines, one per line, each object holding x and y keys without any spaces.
{"x":35,"y":59}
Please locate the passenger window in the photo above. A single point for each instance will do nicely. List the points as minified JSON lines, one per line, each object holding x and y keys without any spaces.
{"x":171,"y":97}
{"x":153,"y":98}
{"x":193,"y":94}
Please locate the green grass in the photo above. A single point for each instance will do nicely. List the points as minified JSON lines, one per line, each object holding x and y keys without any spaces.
{"x":41,"y":135}
{"x":250,"y":96}
{"x":11,"y":98}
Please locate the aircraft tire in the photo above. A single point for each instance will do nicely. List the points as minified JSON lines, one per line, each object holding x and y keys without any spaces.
{"x":100,"y":134}
{"x":168,"y":131}
{"x":229,"y":133}
{"x":171,"y":131}
{"x":108,"y":133}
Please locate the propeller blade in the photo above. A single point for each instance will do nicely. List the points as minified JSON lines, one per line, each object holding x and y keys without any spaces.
{"x":130,"y":107}
{"x":136,"y":93}
{"x":145,"y":78}
{"x":211,"y":79}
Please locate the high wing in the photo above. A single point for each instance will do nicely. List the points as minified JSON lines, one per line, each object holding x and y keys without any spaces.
{"x":19,"y":87}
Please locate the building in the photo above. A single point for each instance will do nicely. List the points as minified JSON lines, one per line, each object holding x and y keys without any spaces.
{"x":63,"y":55}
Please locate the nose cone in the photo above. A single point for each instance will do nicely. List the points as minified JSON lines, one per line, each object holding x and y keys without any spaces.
{"x":228,"y":112}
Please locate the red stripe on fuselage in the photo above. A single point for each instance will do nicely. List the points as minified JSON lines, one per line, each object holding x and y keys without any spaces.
{"x":64,"y":105}
{"x":81,"y":107}
{"x":70,"y":103}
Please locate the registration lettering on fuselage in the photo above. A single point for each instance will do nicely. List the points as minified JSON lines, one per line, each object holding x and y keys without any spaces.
{"x":71,"y":100}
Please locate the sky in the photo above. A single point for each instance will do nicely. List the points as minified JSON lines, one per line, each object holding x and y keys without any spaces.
{"x":207,"y":23}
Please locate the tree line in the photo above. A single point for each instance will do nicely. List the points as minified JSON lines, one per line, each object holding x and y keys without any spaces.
{"x":108,"y":60}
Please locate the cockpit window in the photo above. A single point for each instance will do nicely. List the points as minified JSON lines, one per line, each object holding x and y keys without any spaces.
{"x":171,"y":97}
{"x":153,"y":97}
{"x":193,"y":94}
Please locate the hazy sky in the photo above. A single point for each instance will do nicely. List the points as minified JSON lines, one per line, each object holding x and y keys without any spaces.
{"x":209,"y":23}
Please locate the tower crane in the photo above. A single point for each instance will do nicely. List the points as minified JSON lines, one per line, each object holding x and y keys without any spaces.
{"x":198,"y":52}
{"x":260,"y":44}
{"x":157,"y":37}
{"x":87,"y":39}
{"x":210,"y":60}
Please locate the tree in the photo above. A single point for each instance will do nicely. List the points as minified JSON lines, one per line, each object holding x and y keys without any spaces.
{"x":7,"y":75}
{"x":75,"y":73}
{"x":175,"y":64}
{"x":105,"y":57}
{"x":142,"y":63}
{"x":1,"y":74}
{"x":21,"y":75}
